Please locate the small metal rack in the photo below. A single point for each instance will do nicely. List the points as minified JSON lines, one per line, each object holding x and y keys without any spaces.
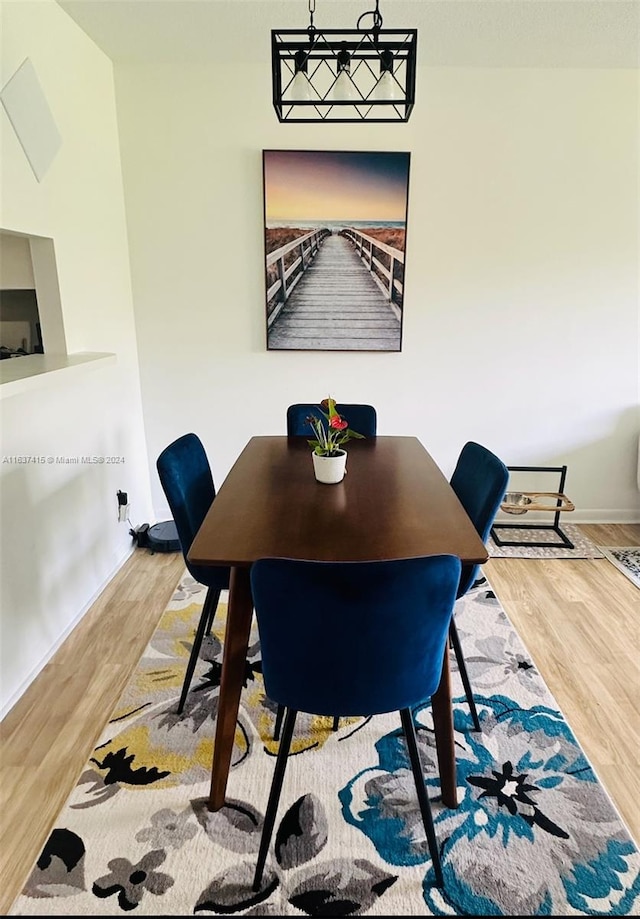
{"x":521,"y":502}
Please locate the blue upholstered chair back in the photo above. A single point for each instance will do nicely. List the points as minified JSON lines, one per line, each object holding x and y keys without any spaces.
{"x":479,"y":480}
{"x":361,"y":418}
{"x":185,"y":476}
{"x":353,"y":638}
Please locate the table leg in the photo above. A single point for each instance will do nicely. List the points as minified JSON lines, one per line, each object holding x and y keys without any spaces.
{"x":234,"y":656}
{"x":443,"y":726}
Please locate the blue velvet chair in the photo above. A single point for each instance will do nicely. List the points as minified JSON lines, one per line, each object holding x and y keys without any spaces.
{"x":479,"y":480}
{"x":362,"y":418}
{"x":185,"y":476}
{"x":378,"y":631}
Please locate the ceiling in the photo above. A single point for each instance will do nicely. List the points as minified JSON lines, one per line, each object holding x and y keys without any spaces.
{"x":457,"y":33}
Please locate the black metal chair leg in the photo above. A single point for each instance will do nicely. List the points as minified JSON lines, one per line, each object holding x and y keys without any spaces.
{"x":278,"y":724}
{"x":280,"y":716}
{"x":423,"y":797}
{"x":462,"y":667}
{"x":210,"y":601}
{"x":212,"y":612}
{"x":274,"y":795}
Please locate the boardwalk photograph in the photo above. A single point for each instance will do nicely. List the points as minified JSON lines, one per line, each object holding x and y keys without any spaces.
{"x":335,"y":232}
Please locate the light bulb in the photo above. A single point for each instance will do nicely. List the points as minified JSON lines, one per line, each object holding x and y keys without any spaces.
{"x":301,"y":89}
{"x":387,"y":89}
{"x":343,"y":89}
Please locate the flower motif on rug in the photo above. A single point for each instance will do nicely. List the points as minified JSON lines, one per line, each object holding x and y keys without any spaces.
{"x":158,"y":749}
{"x":129,"y":881}
{"x":187,"y":588}
{"x":168,"y":829}
{"x":147,"y":745}
{"x":330,"y":887}
{"x":60,"y":869}
{"x":527,"y":808}
{"x":494,"y":654}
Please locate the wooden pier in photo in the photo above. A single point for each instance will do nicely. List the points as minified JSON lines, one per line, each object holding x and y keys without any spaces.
{"x":336,"y":302}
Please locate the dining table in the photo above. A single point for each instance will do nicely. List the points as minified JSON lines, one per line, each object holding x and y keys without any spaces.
{"x":394,"y":502}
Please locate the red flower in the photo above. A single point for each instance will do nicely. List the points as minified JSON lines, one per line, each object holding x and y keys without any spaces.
{"x":339,"y":423}
{"x":332,"y":432}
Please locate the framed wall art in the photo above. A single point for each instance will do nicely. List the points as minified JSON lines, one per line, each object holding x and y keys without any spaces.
{"x":335,"y":227}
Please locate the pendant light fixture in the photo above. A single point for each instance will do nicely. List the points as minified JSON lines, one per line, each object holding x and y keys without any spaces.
{"x":344,"y":75}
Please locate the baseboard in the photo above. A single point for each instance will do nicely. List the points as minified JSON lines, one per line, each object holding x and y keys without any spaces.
{"x":602,"y":516}
{"x":580,"y":515}
{"x":17,"y":695}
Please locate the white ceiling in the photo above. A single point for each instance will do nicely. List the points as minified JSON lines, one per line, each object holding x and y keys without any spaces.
{"x":484,"y":33}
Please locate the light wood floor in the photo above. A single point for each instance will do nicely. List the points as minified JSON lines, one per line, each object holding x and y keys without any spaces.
{"x":578,"y":618}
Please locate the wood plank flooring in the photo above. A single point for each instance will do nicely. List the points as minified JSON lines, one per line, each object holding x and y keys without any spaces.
{"x":578,"y":618}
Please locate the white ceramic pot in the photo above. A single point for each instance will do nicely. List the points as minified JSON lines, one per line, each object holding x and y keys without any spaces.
{"x":330,"y":469}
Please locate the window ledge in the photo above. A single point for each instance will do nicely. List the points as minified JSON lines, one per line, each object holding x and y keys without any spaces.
{"x":34,"y":371}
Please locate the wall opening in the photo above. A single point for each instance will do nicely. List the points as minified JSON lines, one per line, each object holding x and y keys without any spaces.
{"x":30,"y":308}
{"x":20,"y":328}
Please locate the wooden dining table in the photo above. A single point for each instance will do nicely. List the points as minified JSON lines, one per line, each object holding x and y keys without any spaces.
{"x":394,"y":502}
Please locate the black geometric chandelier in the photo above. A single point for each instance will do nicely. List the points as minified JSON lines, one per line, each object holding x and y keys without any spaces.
{"x":340,"y":75}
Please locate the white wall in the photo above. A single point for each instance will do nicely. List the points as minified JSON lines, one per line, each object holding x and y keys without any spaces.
{"x":61,"y":541}
{"x":521,"y":310}
{"x":16,"y":270}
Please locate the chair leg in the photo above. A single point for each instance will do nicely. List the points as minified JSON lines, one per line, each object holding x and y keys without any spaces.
{"x":280,"y":716}
{"x":278,"y":724}
{"x":423,"y":797}
{"x":274,"y":795}
{"x":212,"y":613}
{"x":208,"y":611}
{"x":462,"y":667}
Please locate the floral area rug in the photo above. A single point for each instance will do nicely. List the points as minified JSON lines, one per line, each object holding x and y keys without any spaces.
{"x":626,"y":559}
{"x":582,"y":546}
{"x":534,"y":834}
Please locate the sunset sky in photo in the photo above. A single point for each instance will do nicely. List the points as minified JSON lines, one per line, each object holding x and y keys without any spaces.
{"x":328,"y":185}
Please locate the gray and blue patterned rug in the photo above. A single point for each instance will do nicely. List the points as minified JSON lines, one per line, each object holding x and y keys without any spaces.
{"x":535,"y":834}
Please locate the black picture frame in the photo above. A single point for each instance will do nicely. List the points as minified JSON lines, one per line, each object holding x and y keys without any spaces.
{"x":335,"y":227}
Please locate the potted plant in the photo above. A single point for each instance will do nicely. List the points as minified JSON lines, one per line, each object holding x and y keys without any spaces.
{"x":331,"y":431}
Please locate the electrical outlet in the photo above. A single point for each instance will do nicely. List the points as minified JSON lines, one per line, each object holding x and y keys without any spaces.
{"x":123,"y":506}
